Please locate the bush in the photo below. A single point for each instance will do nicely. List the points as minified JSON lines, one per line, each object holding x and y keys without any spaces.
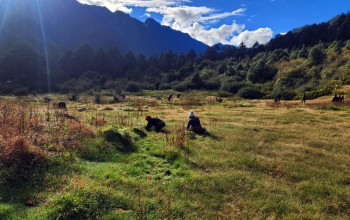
{"x":287,"y":94}
{"x":23,"y":91}
{"x":317,"y":55}
{"x":224,"y":94}
{"x":261,"y":73}
{"x":211,"y":84}
{"x":316,"y":93}
{"x":164,"y":86}
{"x":20,"y":157}
{"x":148,"y":86}
{"x":250,"y":93}
{"x":133,"y":87}
{"x":233,"y":87}
{"x":182,"y":86}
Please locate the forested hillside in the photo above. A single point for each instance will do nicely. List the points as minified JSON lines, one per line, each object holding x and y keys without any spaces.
{"x":311,"y":59}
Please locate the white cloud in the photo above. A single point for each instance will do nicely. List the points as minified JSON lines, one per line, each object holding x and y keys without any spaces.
{"x":194,"y":20}
{"x":123,"y":5}
{"x":191,"y":19}
{"x":213,"y":35}
{"x":261,"y":35}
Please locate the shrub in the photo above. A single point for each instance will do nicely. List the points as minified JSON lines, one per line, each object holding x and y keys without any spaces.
{"x":224,"y":94}
{"x":316,"y":93}
{"x":317,"y":55}
{"x":19,"y":156}
{"x":133,"y":87}
{"x":233,"y":87}
{"x":164,"y":86}
{"x":23,"y":91}
{"x":182,"y":86}
{"x":250,"y":93}
{"x":148,"y":86}
{"x":261,"y":73}
{"x":211,"y":84}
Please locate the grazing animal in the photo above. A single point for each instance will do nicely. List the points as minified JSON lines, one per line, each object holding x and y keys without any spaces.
{"x":47,"y":99}
{"x":62,"y":105}
{"x":178,"y":96}
{"x":74,"y":97}
{"x":304,"y":99}
{"x":158,"y":98}
{"x":122,"y":96}
{"x":338,"y":98}
{"x":277,"y":99}
{"x":97,"y":99}
{"x":119,"y":97}
{"x":170,"y":96}
{"x":218,"y":99}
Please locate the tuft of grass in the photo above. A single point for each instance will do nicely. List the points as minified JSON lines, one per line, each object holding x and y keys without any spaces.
{"x":121,"y":140}
{"x":5,"y":211}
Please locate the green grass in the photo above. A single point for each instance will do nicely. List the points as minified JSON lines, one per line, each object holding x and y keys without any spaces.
{"x":257,"y":163}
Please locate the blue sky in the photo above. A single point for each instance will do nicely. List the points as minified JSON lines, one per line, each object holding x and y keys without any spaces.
{"x":230,"y":21}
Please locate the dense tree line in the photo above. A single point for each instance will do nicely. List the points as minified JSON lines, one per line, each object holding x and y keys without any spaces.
{"x":309,"y":59}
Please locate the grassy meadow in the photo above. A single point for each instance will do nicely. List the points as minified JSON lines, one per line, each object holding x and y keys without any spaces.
{"x":258,"y":161}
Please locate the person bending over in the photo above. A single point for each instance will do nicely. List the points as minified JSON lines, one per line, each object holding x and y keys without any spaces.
{"x":154,"y":122}
{"x":194,"y":124}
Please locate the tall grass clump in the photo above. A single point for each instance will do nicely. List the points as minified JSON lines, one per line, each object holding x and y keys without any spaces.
{"x":119,"y":139}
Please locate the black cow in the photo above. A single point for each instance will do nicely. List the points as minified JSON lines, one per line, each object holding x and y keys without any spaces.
{"x":47,"y":99}
{"x":74,"y":97}
{"x":338,"y":98}
{"x":170,"y":96}
{"x":62,"y":105}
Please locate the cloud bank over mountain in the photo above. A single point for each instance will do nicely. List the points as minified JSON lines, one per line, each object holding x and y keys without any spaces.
{"x":197,"y":21}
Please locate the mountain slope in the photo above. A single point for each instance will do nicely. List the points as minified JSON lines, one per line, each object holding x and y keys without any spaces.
{"x":337,"y":29}
{"x":67,"y":24}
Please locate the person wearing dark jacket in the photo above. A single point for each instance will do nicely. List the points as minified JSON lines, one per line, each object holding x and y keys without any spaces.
{"x":194,"y":124}
{"x":154,"y":122}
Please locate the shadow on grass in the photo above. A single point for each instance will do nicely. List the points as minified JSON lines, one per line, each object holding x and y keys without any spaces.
{"x":20,"y":190}
{"x":211,"y":136}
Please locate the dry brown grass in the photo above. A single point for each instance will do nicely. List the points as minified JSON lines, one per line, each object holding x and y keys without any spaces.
{"x":29,"y":131}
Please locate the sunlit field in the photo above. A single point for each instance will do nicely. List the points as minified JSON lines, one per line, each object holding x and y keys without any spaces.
{"x":259,"y":160}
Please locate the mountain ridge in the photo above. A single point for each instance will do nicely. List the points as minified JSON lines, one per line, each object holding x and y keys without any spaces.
{"x":68,"y":23}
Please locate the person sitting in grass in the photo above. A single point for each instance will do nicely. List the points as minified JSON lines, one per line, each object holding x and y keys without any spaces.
{"x":154,"y":122}
{"x":194,"y":124}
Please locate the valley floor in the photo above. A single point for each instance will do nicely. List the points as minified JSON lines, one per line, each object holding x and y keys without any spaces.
{"x":258,"y":161}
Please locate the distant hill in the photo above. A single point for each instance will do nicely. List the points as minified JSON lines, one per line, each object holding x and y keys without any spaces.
{"x":68,"y":24}
{"x":337,"y":29}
